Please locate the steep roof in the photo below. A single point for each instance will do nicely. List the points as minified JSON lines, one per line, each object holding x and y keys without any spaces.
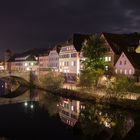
{"x":121,"y":42}
{"x":38,"y":51}
{"x":19,"y":57}
{"x":134,"y":58}
{"x":30,"y":54}
{"x":57,"y":48}
{"x":77,"y":40}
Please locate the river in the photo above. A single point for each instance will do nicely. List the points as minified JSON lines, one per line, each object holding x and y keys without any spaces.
{"x":47,"y":116}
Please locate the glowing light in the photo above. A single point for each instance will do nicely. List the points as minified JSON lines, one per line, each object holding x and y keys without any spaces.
{"x":32,"y":106}
{"x":27,"y":68}
{"x":25,"y":104}
{"x":32,"y":63}
{"x":72,"y":108}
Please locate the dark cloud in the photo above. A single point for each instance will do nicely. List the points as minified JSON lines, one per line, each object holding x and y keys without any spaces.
{"x":31,"y":23}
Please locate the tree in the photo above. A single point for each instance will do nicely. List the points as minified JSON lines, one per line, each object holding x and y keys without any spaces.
{"x":94,"y":51}
{"x":94,"y":64}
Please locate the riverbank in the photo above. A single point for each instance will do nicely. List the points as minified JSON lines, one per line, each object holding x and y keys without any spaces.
{"x":129,"y":101}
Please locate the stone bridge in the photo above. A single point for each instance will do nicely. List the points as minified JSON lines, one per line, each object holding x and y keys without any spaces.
{"x":28,"y":75}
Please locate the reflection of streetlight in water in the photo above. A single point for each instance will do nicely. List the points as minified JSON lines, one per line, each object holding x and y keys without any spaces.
{"x":30,"y":104}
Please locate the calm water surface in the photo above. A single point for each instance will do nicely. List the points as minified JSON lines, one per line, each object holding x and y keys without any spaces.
{"x":54,"y":117}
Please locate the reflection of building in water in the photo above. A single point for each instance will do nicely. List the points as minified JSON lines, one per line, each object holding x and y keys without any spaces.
{"x":69,"y":111}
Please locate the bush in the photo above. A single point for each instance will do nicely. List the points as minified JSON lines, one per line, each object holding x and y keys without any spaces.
{"x":120,"y":85}
{"x":52,"y":81}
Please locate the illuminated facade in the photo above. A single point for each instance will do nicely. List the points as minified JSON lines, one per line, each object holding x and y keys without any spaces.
{"x":128,"y":64}
{"x":54,"y":58}
{"x":69,"y":62}
{"x":23,"y":63}
{"x":70,"y":56}
{"x":43,"y":62}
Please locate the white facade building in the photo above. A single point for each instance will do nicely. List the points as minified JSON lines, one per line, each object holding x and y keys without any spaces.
{"x":53,"y":63}
{"x":69,"y":57}
{"x":69,"y":61}
{"x":23,"y":63}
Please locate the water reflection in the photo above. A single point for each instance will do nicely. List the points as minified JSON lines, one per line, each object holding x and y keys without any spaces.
{"x":69,"y":111}
{"x":99,"y":121}
{"x":90,"y":120}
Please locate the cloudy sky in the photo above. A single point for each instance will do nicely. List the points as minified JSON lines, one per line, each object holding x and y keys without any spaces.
{"x":39,"y":23}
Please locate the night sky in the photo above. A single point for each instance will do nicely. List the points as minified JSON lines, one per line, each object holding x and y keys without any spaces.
{"x":38,"y":24}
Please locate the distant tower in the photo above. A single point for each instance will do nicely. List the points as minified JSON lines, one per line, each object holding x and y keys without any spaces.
{"x":7,"y":56}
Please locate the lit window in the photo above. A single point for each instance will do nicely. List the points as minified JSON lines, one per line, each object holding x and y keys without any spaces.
{"x":120,"y":71}
{"x":72,"y":108}
{"x":130,"y":71}
{"x":26,"y":64}
{"x":72,"y":63}
{"x":116,"y":71}
{"x":32,"y":63}
{"x":125,"y":71}
{"x":106,"y":68}
{"x":109,"y":58}
{"x":106,"y":59}
{"x":27,"y":68}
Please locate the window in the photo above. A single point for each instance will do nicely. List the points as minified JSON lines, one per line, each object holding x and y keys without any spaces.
{"x":120,"y":62}
{"x":125,"y":62}
{"x":120,"y":71}
{"x":125,"y":72}
{"x":106,"y":59}
{"x":72,"y":108}
{"x":106,"y":68}
{"x":74,"y":55}
{"x":72,"y":63}
{"x":109,"y":58}
{"x":130,"y":71}
{"x":116,"y":71}
{"x":67,"y":63}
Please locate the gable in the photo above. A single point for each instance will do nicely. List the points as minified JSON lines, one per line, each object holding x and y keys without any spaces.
{"x":106,"y":44}
{"x":124,"y":62}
